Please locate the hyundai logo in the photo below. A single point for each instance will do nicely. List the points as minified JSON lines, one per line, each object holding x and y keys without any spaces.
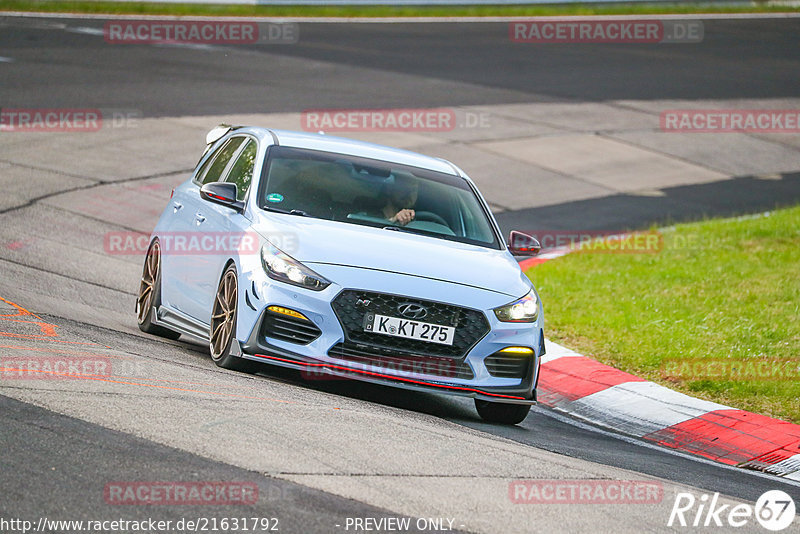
{"x":412,"y":311}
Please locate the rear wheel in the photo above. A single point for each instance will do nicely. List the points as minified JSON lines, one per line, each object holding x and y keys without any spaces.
{"x":150,"y":294}
{"x":223,"y":324}
{"x":498,"y":412}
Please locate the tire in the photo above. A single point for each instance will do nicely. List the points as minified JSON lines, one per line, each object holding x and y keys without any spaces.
{"x":498,"y":412}
{"x":149,"y":295}
{"x":223,"y":324}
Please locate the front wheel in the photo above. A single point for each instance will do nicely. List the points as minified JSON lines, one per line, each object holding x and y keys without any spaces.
{"x":223,"y":324}
{"x":498,"y":412}
{"x":149,"y":296}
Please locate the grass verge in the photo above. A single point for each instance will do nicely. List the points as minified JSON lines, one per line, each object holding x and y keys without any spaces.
{"x":714,"y":314}
{"x":147,"y":8}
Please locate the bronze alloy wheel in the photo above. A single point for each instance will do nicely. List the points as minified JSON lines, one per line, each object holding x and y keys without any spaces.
{"x":149,"y":295}
{"x":147,"y":287}
{"x":223,"y":316}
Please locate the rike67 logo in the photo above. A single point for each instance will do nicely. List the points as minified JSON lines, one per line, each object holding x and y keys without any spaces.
{"x":774,"y":510}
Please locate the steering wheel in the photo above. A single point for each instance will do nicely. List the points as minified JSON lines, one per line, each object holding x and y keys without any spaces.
{"x":430,"y":217}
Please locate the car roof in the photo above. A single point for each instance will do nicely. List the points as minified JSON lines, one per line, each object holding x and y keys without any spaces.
{"x":340,"y":145}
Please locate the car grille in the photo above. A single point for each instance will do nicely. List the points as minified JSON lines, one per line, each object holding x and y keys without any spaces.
{"x":351,"y":306}
{"x":401,"y":362}
{"x":287,"y":328}
{"x":507,"y":365}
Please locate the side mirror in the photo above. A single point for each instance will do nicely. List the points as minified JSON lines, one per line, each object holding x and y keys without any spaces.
{"x":222,"y":193}
{"x":522,"y":244}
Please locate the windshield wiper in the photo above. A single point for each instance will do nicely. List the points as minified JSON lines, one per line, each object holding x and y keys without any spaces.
{"x":301,"y":213}
{"x":276,"y":210}
{"x":409,"y":230}
{"x":418,"y":231}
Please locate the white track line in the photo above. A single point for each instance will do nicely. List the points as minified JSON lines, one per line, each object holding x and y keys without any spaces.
{"x":790,"y":465}
{"x":640,"y":408}
{"x":554,"y":351}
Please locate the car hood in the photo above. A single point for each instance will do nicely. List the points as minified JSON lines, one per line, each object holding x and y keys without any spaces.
{"x":317,"y":241}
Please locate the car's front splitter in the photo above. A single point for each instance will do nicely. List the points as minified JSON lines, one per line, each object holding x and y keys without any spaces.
{"x":522,"y":395}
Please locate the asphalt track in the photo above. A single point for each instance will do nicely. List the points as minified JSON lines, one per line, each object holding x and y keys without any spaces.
{"x":737,"y":59}
{"x":328,"y":450}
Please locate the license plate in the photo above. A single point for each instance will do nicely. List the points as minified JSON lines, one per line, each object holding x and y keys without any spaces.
{"x":397,"y":327}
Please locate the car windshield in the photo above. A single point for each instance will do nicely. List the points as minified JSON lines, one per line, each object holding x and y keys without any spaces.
{"x":370,"y":192}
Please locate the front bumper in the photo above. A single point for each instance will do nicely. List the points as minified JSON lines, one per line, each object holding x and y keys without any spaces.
{"x":316,"y":355}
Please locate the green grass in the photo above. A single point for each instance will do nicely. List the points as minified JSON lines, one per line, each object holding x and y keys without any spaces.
{"x":140,"y":8}
{"x":722,"y":290}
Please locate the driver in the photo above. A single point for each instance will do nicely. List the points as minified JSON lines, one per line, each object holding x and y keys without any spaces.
{"x":401,"y":197}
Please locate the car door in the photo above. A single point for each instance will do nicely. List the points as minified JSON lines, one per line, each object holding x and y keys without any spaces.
{"x":188,"y":226}
{"x":220,"y":229}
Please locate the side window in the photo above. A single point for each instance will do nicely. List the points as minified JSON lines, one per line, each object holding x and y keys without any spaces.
{"x":220,"y":161}
{"x":241,"y":172}
{"x":198,"y":177}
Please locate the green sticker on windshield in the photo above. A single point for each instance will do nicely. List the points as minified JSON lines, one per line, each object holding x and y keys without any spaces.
{"x":274,"y":197}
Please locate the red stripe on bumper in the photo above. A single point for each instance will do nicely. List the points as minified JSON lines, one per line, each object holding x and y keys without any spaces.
{"x":389,"y":377}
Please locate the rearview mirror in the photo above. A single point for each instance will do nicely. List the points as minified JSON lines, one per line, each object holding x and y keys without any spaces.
{"x":522,"y":244}
{"x":222,"y":193}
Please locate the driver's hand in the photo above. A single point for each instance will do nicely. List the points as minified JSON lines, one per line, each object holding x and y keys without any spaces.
{"x":403,"y":217}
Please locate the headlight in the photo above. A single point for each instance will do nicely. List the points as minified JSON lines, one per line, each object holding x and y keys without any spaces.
{"x":525,"y":310}
{"x":282,"y":267}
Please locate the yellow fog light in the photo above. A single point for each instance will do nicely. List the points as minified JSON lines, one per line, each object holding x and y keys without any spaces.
{"x":287,"y":311}
{"x":518,"y":350}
